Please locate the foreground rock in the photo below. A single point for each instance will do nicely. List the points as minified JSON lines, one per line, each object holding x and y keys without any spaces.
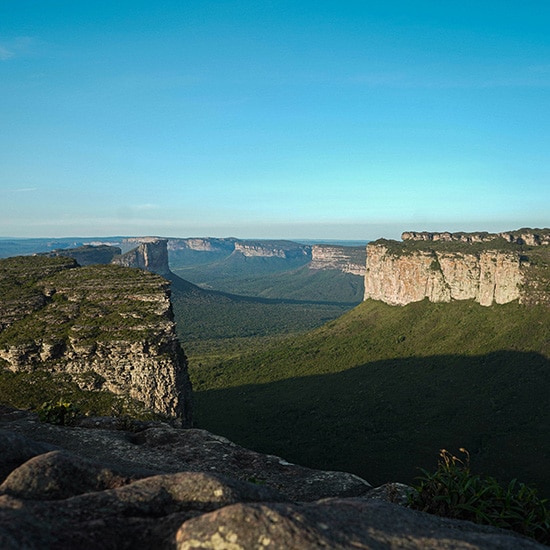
{"x":337,"y":524}
{"x":152,"y":486}
{"x":156,"y":448}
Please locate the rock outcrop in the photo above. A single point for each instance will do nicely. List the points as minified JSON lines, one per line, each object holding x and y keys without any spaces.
{"x":203,"y":244}
{"x":488,"y":268}
{"x":398,"y":279}
{"x":151,"y":254}
{"x":105,"y":327}
{"x":348,"y":259}
{"x":529,"y":237}
{"x":272,"y":249}
{"x":159,"y":487}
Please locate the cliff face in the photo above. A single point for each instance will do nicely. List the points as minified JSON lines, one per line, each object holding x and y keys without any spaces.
{"x":272,"y":249}
{"x":151,"y":255}
{"x":347,"y":259}
{"x":489,"y":277}
{"x":202,"y":244}
{"x":105,"y":327}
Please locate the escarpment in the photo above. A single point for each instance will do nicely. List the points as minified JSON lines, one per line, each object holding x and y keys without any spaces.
{"x":104,"y":327}
{"x":151,"y":254}
{"x":347,"y":259}
{"x":272,"y":249}
{"x":445,"y":266}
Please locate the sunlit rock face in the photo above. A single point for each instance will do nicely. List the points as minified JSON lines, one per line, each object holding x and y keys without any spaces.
{"x":342,"y":258}
{"x":151,"y":255}
{"x":272,"y":249}
{"x":487,"y":277}
{"x":206,"y":244}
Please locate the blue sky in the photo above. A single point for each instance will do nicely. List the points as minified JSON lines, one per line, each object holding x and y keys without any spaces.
{"x":273,"y":119}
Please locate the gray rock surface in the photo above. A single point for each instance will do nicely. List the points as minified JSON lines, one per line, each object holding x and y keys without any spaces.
{"x":100,"y":326}
{"x":153,"y":486}
{"x":337,"y":524}
{"x":158,"y":448}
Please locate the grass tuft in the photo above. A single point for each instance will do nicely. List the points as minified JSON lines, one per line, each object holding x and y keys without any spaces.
{"x":453,"y":491}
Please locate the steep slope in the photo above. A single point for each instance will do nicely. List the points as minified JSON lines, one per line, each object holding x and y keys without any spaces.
{"x":383,"y":388}
{"x":103,"y":327}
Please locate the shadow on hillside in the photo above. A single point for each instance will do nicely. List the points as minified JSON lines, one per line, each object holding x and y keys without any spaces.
{"x":192,"y":289}
{"x":384,"y":420}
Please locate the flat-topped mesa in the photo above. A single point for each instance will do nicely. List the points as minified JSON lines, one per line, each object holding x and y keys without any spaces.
{"x":272,"y":249}
{"x":348,"y":259}
{"x":487,"y":268}
{"x":202,"y":244}
{"x":151,"y":254}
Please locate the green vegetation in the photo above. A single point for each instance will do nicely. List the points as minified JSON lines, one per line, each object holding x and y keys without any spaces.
{"x":41,"y":391}
{"x":453,"y":491}
{"x":276,"y":278}
{"x":48,"y":302}
{"x":399,"y":248}
{"x":214,"y":326}
{"x":353,"y":393}
{"x":60,"y":412}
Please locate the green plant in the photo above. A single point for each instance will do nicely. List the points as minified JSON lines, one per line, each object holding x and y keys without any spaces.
{"x":453,"y":491}
{"x":58,"y":412}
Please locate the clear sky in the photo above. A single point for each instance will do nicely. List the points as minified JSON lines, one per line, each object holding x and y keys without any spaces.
{"x":273,"y":119}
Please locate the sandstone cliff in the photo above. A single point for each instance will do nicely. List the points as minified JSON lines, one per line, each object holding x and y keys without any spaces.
{"x":105,"y":327}
{"x":272,"y":249}
{"x":445,"y":266}
{"x":530,"y":237}
{"x":202,"y":244}
{"x":348,"y":259}
{"x":151,"y":254}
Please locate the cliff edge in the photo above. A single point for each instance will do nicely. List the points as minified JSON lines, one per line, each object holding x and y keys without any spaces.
{"x":104,"y":327}
{"x":487,"y":268}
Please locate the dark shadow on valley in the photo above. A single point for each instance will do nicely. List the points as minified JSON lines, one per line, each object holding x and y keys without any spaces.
{"x":191,"y":289}
{"x":383,"y":420}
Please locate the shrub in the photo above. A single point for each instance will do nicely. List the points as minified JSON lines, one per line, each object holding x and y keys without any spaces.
{"x":58,"y":412}
{"x":453,"y":491}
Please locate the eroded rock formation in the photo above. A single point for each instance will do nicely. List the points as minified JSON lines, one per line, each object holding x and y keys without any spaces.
{"x":348,"y":259}
{"x":488,"y":268}
{"x":151,"y":254}
{"x":104,"y":326}
{"x":272,"y":249}
{"x":530,"y":237}
{"x":400,"y":278}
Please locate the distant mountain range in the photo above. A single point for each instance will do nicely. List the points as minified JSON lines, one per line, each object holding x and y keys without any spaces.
{"x":275,"y":269}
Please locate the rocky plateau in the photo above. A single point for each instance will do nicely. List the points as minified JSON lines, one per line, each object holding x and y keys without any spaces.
{"x":105,"y":327}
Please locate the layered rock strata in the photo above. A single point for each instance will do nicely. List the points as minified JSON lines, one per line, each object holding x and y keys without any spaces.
{"x":529,"y":237}
{"x":271,"y":249}
{"x":151,"y":255}
{"x":105,"y":327}
{"x":347,"y":259}
{"x":488,"y":277}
